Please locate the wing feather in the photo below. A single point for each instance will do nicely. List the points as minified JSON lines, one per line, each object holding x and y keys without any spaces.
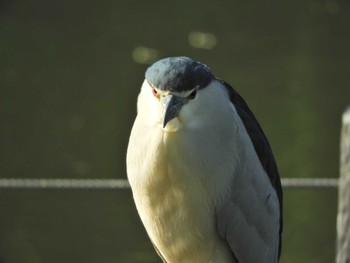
{"x":263,"y":151}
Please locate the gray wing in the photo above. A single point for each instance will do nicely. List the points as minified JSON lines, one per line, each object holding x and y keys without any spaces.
{"x":229,"y":223}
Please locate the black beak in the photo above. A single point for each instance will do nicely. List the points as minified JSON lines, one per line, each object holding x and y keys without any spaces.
{"x":172,"y":105}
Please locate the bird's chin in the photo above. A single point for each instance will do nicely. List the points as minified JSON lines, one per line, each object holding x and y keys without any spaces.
{"x":172,"y":126}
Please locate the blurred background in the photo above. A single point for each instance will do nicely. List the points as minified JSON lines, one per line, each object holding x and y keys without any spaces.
{"x":70,"y":72}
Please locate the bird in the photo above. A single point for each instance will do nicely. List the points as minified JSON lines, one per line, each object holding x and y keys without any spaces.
{"x":203,"y":176}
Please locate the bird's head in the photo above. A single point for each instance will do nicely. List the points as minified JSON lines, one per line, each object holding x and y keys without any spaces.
{"x":171,"y":91}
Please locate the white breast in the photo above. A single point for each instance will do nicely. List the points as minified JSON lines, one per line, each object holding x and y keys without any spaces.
{"x":173,"y":202}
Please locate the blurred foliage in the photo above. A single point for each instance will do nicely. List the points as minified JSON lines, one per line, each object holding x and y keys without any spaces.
{"x":70,"y":72}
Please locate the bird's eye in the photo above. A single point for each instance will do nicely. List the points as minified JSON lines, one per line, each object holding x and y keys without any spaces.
{"x":192,"y":95}
{"x":155,"y":92}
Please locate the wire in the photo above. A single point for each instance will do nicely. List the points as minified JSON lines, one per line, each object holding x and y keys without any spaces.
{"x":46,"y":183}
{"x":310,"y":182}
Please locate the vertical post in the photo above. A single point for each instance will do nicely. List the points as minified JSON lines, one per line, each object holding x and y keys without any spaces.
{"x":343,"y":218}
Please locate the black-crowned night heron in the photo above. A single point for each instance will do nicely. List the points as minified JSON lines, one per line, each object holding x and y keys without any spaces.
{"x":203,"y":176}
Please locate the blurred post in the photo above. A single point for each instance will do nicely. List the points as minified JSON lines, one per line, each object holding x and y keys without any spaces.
{"x":343,"y":218}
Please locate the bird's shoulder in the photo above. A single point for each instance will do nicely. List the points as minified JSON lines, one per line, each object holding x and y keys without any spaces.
{"x":257,"y":136}
{"x":261,"y":145}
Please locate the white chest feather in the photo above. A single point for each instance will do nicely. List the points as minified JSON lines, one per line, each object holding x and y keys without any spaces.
{"x":174,"y":201}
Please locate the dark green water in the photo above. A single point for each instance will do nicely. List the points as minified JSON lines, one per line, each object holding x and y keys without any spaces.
{"x":70,"y":72}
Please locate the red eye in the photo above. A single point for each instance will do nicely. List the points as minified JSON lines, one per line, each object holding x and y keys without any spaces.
{"x":155,"y":93}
